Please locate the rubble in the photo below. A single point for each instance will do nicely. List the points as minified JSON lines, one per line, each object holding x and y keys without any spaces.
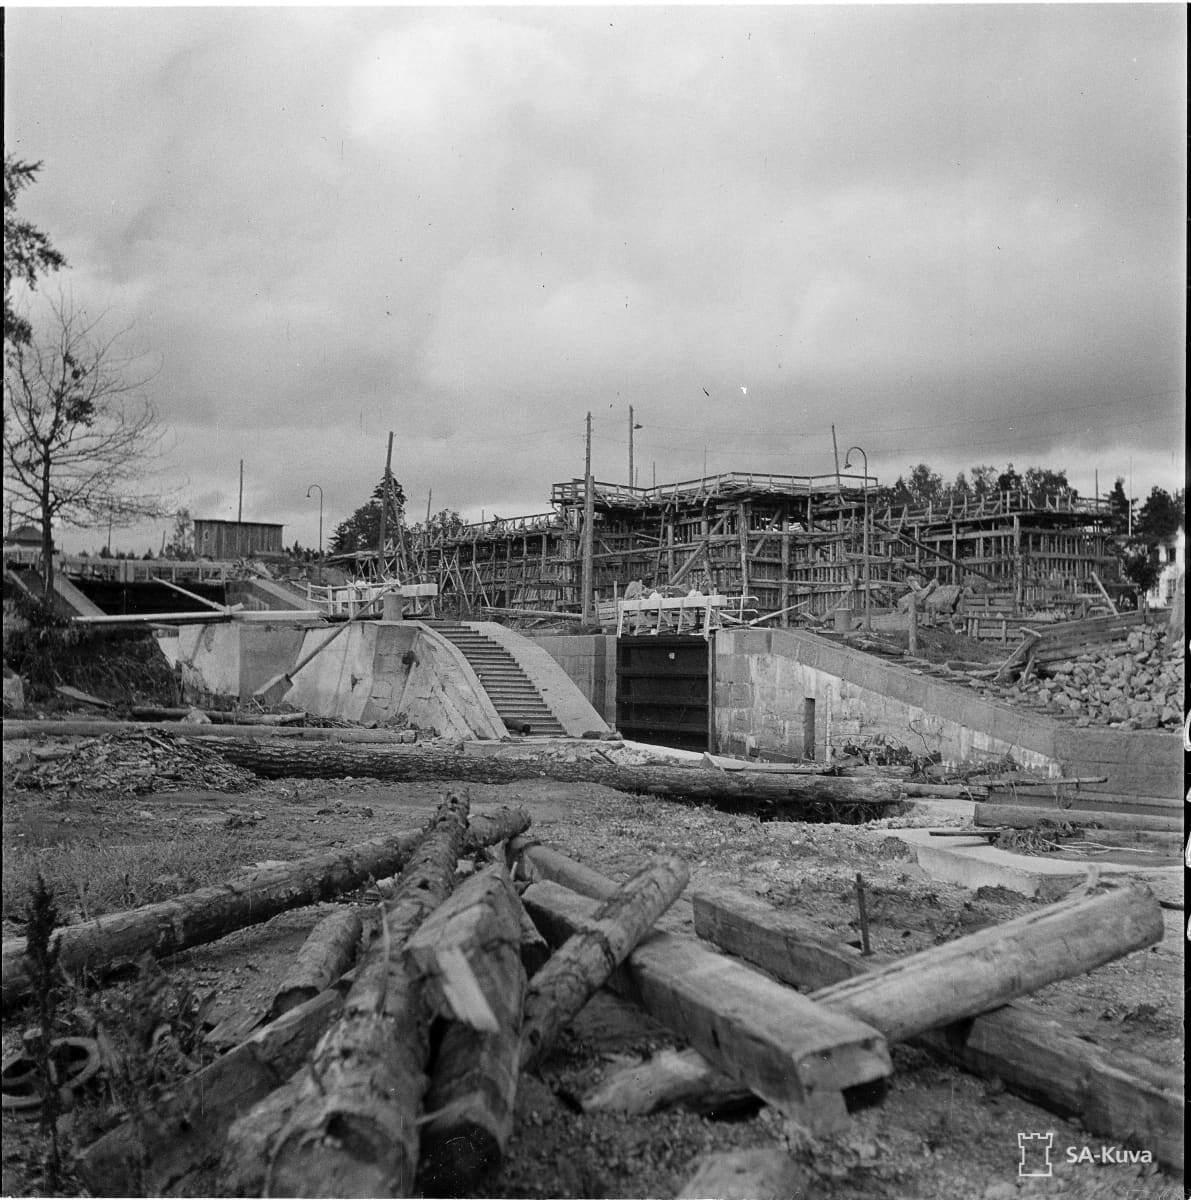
{"x":130,"y":764}
{"x":1137,"y":684}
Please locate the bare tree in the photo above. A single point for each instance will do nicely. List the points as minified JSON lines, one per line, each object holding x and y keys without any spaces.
{"x":80,"y":436}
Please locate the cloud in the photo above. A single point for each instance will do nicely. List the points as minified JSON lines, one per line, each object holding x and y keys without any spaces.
{"x":952,"y":231}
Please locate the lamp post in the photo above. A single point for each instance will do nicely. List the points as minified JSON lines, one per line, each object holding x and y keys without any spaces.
{"x":868,"y":614}
{"x":320,"y":526}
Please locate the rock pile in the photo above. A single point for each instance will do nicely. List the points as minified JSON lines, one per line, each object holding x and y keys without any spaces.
{"x":1136,"y":684}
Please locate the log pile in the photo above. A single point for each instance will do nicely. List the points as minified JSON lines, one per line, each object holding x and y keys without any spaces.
{"x":401,"y":1076}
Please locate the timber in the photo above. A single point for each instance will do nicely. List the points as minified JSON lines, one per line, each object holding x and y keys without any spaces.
{"x":346,"y":1124}
{"x":14,"y":730}
{"x":1022,"y":816}
{"x":670,"y":781}
{"x":796,"y":1055}
{"x":582,"y":965}
{"x":99,"y":946}
{"x":1115,"y":1094}
{"x":327,"y":952}
{"x":468,"y":962}
{"x":182,"y":1131}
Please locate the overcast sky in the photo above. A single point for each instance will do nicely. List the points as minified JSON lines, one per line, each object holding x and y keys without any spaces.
{"x":956,"y":232}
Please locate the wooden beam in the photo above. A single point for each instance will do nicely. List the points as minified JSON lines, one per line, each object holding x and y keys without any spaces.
{"x":1115,"y":1094}
{"x":795,"y":1055}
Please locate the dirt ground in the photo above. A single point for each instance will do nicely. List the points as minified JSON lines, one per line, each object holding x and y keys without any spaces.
{"x":938,"y":1134}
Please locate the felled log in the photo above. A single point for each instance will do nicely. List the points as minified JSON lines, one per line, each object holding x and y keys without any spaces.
{"x":1024,"y":816}
{"x":760,"y":1174}
{"x":498,"y":825}
{"x":182,"y":1132}
{"x":581,"y":966}
{"x":423,"y":763}
{"x":44,"y":729}
{"x":467,"y":959}
{"x":327,"y":952}
{"x":346,"y":1124}
{"x":161,"y":929}
{"x":795,"y":1055}
{"x":1113,"y":1093}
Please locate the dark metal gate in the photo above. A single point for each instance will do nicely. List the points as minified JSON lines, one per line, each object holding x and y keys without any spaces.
{"x":662,"y":690}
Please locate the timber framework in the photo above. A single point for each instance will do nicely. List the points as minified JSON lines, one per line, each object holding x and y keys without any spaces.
{"x":783,"y":541}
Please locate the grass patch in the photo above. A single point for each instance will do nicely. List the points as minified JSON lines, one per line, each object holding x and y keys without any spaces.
{"x":91,"y":877}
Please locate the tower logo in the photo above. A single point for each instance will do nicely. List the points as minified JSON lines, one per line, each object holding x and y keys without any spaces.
{"x":1035,"y":1155}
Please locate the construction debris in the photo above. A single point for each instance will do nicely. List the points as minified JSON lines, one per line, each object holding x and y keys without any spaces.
{"x":134,"y":762}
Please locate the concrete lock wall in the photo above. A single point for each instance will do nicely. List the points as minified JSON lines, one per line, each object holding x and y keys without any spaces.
{"x":374,"y":671}
{"x":590,"y":662}
{"x":395,"y":670}
{"x":778,"y":689}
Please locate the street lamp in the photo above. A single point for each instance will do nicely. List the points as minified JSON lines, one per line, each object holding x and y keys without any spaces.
{"x":320,"y":526}
{"x":868,"y":612}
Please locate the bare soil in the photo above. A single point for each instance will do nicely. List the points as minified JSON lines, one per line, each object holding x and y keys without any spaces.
{"x":938,"y":1134}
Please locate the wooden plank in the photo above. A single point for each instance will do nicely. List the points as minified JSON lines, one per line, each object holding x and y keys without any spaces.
{"x":792,"y":1053}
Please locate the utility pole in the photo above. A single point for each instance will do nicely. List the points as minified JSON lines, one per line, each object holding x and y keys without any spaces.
{"x":384,"y":507}
{"x":835,"y":451}
{"x":632,"y":473}
{"x":630,"y":445}
{"x":240,"y":510}
{"x":588,"y":519}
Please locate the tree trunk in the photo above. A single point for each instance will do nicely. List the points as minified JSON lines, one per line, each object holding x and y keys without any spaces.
{"x":183,"y":1131}
{"x":672,"y":782}
{"x":958,"y":979}
{"x":329,"y":950}
{"x":1114,"y":1094}
{"x":162,"y":929}
{"x":467,"y":955}
{"x":580,"y":968}
{"x":346,"y":1125}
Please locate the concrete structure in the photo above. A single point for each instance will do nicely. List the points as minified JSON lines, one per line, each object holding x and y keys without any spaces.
{"x":388,"y":672}
{"x":589,"y":660}
{"x":237,"y":539}
{"x":973,"y":863}
{"x":784,"y":689}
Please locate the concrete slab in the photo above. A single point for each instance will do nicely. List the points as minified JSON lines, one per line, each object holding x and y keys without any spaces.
{"x":973,"y":863}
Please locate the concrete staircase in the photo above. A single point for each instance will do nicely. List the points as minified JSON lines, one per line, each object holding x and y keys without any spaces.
{"x":512,"y":692}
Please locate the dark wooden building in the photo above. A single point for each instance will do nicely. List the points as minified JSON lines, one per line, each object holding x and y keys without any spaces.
{"x":237,"y":539}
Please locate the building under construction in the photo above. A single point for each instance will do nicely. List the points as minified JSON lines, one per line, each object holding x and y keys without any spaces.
{"x":790,"y":544}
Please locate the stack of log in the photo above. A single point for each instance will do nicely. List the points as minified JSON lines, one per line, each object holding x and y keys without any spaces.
{"x":391,"y":1059}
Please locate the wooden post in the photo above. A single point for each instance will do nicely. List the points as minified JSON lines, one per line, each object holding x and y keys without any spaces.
{"x":384,"y":507}
{"x":588,"y":533}
{"x":913,"y":615}
{"x":784,"y":586}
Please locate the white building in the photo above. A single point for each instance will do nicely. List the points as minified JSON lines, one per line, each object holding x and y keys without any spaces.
{"x":1172,"y":562}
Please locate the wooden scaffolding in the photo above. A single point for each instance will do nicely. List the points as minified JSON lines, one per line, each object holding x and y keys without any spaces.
{"x":787,"y":542}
